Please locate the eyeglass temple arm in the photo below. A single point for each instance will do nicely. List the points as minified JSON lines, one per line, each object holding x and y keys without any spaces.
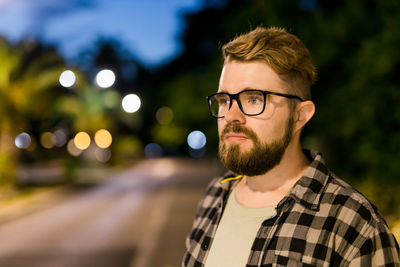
{"x":284,"y":95}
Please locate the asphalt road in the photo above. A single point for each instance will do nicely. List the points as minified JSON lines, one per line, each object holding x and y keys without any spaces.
{"x":136,"y":218}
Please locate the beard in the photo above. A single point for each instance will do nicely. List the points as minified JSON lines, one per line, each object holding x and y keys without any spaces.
{"x":261,"y":158}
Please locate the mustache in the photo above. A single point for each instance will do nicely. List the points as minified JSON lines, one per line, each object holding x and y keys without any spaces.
{"x":236,"y":128}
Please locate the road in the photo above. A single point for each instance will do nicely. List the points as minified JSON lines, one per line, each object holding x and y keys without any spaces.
{"x":136,"y":218}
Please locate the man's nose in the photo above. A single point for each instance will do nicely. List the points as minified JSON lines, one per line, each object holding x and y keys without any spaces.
{"x":234,"y":114}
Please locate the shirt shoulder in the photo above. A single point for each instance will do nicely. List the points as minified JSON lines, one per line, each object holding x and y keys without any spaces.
{"x":341,"y":220}
{"x":360,"y":230}
{"x":371,"y":240}
{"x":351,"y":202}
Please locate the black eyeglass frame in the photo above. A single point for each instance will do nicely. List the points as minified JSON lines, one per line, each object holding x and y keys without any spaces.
{"x":236,"y":97}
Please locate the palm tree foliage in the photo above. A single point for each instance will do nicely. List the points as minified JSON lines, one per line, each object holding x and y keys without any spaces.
{"x":28,"y":74}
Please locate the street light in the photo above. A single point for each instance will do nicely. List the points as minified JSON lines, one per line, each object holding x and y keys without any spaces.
{"x":82,"y":140}
{"x":23,"y":140}
{"x":131,"y":103}
{"x":196,"y":140}
{"x":67,"y":78}
{"x":105,"y":78}
{"x":103,"y":138}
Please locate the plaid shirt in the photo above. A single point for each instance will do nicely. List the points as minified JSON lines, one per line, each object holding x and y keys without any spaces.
{"x":322,"y":221}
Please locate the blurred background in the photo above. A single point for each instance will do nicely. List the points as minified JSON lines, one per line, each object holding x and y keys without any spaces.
{"x":106,"y":143}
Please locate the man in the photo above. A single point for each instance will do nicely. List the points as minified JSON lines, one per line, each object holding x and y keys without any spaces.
{"x":280,"y":205}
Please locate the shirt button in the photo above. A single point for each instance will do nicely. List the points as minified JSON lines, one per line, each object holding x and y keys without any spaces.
{"x":206,"y":243}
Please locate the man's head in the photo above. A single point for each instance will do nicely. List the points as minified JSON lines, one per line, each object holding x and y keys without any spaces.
{"x":283,"y":52}
{"x":269,"y":60}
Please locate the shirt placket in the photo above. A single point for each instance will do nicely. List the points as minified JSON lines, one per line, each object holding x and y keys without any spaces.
{"x":264,"y":236}
{"x":211,"y":229}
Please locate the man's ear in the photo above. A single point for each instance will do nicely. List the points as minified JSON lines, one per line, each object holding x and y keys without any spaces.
{"x":304,"y":112}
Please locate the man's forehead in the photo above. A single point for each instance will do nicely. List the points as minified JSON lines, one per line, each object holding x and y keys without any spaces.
{"x":238,"y":76}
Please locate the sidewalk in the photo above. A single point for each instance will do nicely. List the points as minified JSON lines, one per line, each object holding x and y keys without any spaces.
{"x":50,"y":176}
{"x":27,"y":204}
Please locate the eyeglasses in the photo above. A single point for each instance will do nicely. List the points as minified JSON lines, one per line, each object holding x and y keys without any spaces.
{"x":251,"y":102}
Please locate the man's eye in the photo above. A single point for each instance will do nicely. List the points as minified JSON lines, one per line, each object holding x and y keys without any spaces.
{"x":254,"y":100}
{"x":223,"y":101}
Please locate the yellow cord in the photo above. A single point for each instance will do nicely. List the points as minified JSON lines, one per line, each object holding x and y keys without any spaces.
{"x":232,"y":178}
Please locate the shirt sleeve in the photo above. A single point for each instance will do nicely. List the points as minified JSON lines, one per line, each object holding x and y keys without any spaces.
{"x":380,"y":249}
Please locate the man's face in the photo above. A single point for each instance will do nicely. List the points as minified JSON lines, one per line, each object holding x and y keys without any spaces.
{"x":252,"y":145}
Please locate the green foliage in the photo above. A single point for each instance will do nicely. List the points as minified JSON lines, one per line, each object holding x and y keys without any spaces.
{"x":358,"y":102}
{"x":127,"y":147}
{"x":169,"y":135}
{"x":87,"y":109}
{"x":7,"y":169}
{"x":28,"y":72}
{"x":32,"y":100}
{"x":24,"y":81}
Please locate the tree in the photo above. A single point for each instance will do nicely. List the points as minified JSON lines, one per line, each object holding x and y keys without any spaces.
{"x":28,"y":72}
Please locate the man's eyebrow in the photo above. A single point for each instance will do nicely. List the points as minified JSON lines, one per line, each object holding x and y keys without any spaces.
{"x":244,"y":89}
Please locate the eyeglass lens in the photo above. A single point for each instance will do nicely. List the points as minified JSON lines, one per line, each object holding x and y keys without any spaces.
{"x":251,"y":102}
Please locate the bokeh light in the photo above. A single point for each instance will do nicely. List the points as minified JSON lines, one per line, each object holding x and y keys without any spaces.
{"x":67,"y":78}
{"x":60,"y":137}
{"x":153,"y":150}
{"x":82,"y":140}
{"x":102,"y":155}
{"x":196,"y":140}
{"x":47,"y":140}
{"x":164,"y":115}
{"x":105,"y":78}
{"x":72,"y":149}
{"x":23,"y":140}
{"x":131,"y":103}
{"x":103,"y":138}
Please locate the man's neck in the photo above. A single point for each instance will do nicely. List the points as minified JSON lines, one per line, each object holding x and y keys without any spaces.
{"x":268,"y":189}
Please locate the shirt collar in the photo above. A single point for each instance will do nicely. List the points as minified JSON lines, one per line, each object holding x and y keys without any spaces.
{"x":309,"y":188}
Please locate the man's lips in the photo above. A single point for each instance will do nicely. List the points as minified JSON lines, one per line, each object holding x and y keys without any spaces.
{"x":235,"y":137}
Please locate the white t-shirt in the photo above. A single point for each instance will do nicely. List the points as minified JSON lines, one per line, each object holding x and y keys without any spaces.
{"x":235,"y":234}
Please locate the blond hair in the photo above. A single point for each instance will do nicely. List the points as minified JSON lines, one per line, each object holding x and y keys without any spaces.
{"x":283,"y":52}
